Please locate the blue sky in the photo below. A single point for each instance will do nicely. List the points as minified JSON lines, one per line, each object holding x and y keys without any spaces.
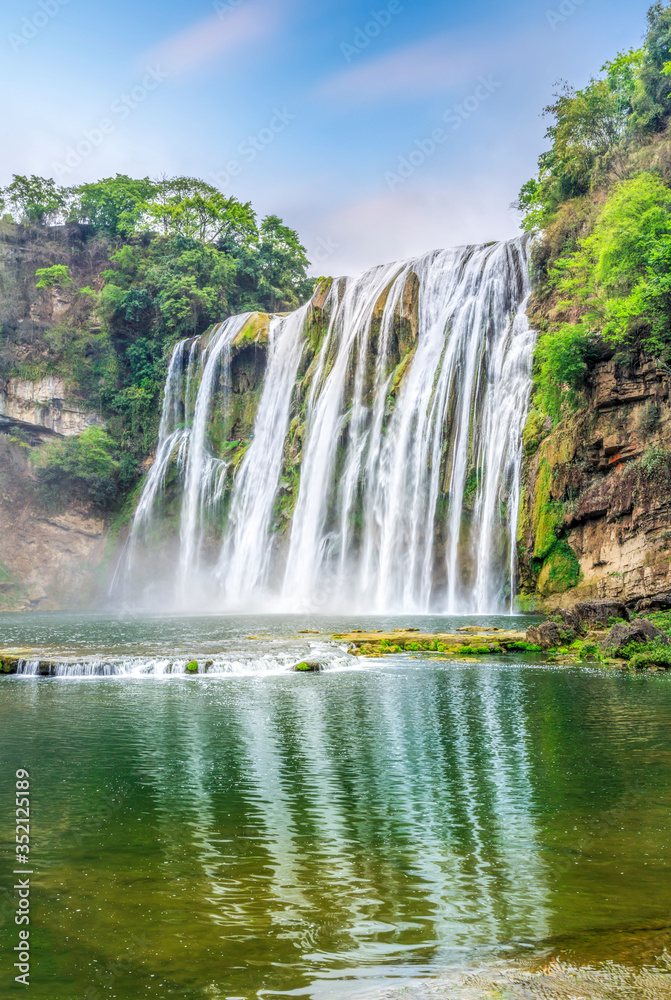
{"x":322,"y":111}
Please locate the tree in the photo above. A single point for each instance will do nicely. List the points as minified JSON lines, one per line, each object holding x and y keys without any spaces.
{"x":56,"y":276}
{"x":186,"y":206}
{"x":282,"y":263}
{"x":652,"y":106}
{"x":114,"y":205}
{"x":36,"y":199}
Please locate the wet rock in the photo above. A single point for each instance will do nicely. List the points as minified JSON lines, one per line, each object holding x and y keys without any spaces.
{"x":595,"y":613}
{"x":660,"y":602}
{"x":192,"y":668}
{"x":308,"y":667}
{"x":9,"y":664}
{"x":638,"y":633}
{"x":551,"y":635}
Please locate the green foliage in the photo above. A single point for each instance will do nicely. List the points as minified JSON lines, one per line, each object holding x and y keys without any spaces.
{"x":36,"y":200}
{"x":562,"y":362}
{"x":653,"y":654}
{"x":56,"y":276}
{"x":188,"y":207}
{"x":114,"y":205}
{"x":652,"y":101}
{"x":662,"y":619}
{"x":588,"y":650}
{"x":85,"y":464}
{"x":619,"y":279}
{"x":182,"y":257}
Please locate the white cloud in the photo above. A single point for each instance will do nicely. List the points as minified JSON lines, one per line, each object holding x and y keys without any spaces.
{"x":422,"y":69}
{"x":220,"y":35}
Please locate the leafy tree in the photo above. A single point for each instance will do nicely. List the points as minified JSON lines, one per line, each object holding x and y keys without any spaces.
{"x":36,"y":199}
{"x":114,"y":205}
{"x":652,"y":106}
{"x":188,"y":207}
{"x":56,"y":276}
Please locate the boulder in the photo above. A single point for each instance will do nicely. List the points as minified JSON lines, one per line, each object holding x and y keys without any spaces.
{"x":660,"y":602}
{"x":597,"y":613}
{"x":550,"y":635}
{"x":571,"y":619}
{"x":308,"y":667}
{"x":639,"y":632}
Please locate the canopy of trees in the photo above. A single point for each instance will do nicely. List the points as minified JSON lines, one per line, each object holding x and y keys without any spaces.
{"x":602,"y":203}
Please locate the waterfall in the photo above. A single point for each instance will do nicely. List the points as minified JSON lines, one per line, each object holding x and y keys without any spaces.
{"x":202,"y":466}
{"x":360,"y":454}
{"x":246,"y":551}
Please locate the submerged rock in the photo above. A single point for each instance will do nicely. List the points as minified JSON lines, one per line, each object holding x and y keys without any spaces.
{"x":638,"y":633}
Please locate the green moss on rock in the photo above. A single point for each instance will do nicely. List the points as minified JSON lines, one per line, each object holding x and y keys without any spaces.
{"x":561,"y":570}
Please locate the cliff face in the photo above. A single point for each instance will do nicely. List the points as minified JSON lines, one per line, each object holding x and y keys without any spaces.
{"x":47,"y":561}
{"x":596,"y":515}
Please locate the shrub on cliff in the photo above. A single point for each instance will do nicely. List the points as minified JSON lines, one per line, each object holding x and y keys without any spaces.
{"x":85,"y":466}
{"x":602,"y":265}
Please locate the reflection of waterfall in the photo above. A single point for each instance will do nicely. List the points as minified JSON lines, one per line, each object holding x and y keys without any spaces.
{"x":376,"y":466}
{"x":388,"y":825}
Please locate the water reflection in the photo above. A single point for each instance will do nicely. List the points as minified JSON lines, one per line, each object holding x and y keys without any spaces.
{"x":284,"y":831}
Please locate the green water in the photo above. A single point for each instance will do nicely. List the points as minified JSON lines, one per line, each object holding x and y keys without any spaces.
{"x":327,"y":836}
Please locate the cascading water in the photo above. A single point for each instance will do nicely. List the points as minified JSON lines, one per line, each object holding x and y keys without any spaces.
{"x":361,"y":454}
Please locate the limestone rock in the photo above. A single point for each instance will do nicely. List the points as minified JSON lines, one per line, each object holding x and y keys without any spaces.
{"x":45,"y":403}
{"x":639,"y":632}
{"x":660,"y":602}
{"x":614,"y":386}
{"x":550,"y":635}
{"x":595,"y":613}
{"x":571,"y":619}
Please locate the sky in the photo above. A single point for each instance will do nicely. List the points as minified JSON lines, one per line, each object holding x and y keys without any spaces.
{"x":378,"y":131}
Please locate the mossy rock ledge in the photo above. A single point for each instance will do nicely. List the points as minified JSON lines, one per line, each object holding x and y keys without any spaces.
{"x":469,"y":641}
{"x":308,"y":667}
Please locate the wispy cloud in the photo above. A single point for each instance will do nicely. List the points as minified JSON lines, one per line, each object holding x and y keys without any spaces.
{"x":215,"y":36}
{"x":433,"y":214}
{"x":426,"y":68}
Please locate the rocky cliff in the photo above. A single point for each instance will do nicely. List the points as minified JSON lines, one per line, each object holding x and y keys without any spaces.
{"x":596,"y":516}
{"x":48,"y":561}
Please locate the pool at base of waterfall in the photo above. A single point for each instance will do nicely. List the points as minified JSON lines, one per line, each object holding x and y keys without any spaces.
{"x":406,"y":827}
